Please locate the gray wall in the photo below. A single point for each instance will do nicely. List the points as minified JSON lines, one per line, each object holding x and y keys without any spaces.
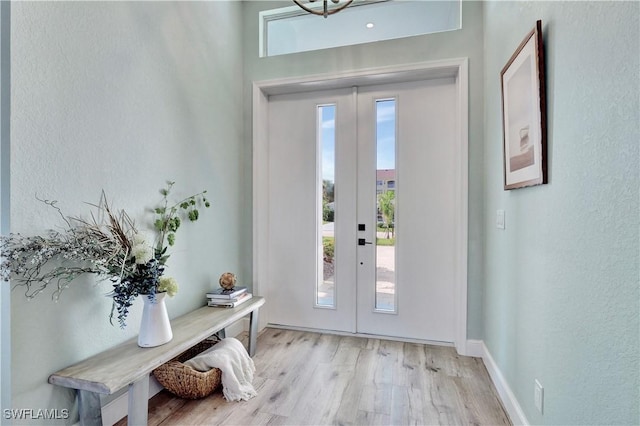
{"x":456,"y":44}
{"x":121,"y":96}
{"x":561,"y":285}
{"x":5,"y":291}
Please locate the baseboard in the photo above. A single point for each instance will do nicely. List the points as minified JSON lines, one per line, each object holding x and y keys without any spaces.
{"x":237,"y":327}
{"x":507,"y":397}
{"x":117,"y":409}
{"x":474,"y":348}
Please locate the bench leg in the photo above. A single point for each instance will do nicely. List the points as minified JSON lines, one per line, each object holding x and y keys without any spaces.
{"x":138,"y":402}
{"x":221,"y":334}
{"x":253,"y":332}
{"x":89,"y":408}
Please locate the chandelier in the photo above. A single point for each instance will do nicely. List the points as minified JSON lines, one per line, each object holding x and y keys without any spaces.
{"x":326,"y":10}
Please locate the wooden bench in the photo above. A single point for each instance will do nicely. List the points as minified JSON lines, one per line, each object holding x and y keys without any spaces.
{"x":129,"y":365}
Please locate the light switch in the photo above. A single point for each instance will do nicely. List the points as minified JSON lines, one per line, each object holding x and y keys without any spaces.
{"x":500,"y":219}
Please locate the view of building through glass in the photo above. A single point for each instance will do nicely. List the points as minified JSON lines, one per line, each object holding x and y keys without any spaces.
{"x":386,"y":186}
{"x":325,"y":288}
{"x":386,"y":193}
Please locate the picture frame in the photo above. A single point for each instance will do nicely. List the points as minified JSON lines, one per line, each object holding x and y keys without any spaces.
{"x":524,"y":116}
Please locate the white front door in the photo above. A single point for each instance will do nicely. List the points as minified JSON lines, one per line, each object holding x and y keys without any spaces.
{"x":405,"y":283}
{"x":301,"y":130}
{"x":361,"y":189}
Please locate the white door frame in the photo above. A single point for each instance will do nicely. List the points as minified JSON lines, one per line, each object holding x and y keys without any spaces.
{"x":456,"y":68}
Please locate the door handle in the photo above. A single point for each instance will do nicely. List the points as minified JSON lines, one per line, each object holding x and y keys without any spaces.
{"x":361,"y":242}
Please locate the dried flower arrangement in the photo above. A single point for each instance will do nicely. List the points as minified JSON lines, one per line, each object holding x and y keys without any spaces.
{"x":107,"y":245}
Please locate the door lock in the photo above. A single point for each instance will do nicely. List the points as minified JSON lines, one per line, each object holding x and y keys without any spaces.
{"x":361,"y":242}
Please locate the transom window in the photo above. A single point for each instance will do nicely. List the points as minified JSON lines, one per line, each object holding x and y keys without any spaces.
{"x":291,"y":30}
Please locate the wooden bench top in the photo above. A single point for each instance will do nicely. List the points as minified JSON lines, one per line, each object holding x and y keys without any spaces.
{"x":115,"y":368}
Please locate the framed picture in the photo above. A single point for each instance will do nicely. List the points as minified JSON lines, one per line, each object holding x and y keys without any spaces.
{"x":524,"y":117}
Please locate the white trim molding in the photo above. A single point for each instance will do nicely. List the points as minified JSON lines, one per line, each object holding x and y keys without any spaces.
{"x":509,"y":401}
{"x":456,"y":68}
{"x":115,"y":410}
{"x":475,"y":348}
{"x":462,"y":206}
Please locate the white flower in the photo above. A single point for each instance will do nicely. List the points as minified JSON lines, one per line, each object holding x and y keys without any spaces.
{"x":168,"y":284}
{"x":139,"y":239}
{"x":140,"y":250}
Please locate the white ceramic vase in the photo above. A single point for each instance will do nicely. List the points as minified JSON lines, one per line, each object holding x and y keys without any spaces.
{"x":155,"y":328}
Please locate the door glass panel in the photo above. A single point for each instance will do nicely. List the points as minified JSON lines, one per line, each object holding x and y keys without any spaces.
{"x":326,"y":283}
{"x":386,"y":187}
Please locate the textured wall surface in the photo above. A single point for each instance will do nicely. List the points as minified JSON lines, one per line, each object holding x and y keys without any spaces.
{"x":562,"y":280}
{"x":121,"y":96}
{"x":5,"y":291}
{"x":454,"y":44}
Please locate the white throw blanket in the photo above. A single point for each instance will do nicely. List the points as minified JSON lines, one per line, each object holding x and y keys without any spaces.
{"x":230,"y":356}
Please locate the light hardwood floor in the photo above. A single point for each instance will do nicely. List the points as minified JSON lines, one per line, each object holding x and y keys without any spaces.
{"x":307,"y":378}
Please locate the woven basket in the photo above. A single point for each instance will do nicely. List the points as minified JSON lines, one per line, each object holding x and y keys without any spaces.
{"x":184,"y":381}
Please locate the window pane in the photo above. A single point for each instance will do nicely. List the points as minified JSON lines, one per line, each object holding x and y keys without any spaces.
{"x":386,"y":192}
{"x":325,"y":287}
{"x":304,"y":32}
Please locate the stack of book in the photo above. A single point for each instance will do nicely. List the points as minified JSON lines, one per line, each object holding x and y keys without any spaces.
{"x":221,"y":298}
